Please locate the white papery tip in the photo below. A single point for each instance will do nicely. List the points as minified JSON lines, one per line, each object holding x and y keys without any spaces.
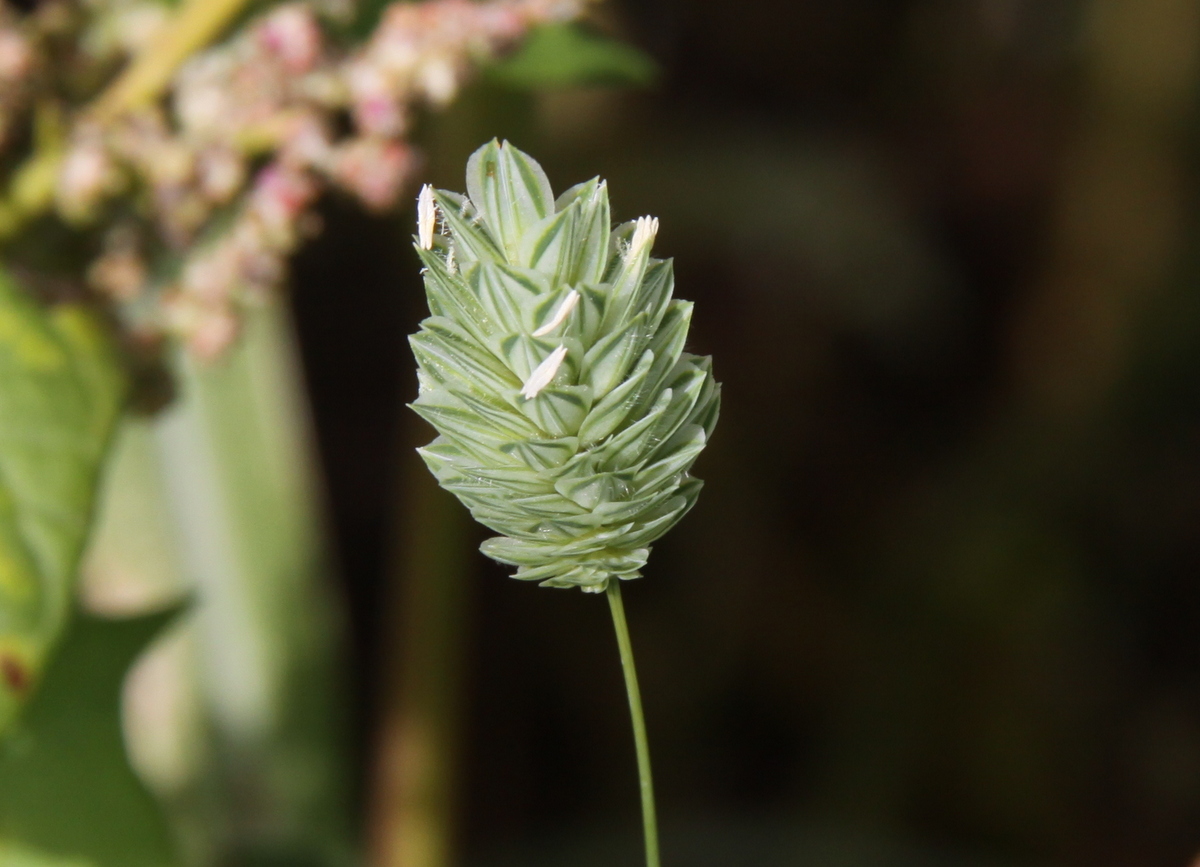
{"x":543,"y":373}
{"x":643,"y":234}
{"x":560,"y":315}
{"x":426,"y":217}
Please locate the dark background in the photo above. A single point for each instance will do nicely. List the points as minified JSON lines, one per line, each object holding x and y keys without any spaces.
{"x":938,"y":603}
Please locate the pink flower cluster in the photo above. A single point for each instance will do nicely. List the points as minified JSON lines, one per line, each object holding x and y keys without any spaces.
{"x":422,"y":50}
{"x":227,"y":178}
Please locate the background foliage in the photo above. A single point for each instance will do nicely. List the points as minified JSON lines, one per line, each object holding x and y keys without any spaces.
{"x":938,"y":603}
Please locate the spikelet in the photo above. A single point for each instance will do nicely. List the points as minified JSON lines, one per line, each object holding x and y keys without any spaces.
{"x":553,"y":369}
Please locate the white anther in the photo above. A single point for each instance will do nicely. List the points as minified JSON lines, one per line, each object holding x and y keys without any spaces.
{"x":643,"y":234}
{"x":543,"y":373}
{"x":560,"y":315}
{"x":426,"y":217}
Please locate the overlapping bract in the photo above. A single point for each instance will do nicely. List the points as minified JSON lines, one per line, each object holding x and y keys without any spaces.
{"x":581,"y":477}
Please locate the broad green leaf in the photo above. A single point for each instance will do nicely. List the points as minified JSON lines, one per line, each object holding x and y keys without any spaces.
{"x":566,"y":55}
{"x":66,"y":788}
{"x":60,"y":390}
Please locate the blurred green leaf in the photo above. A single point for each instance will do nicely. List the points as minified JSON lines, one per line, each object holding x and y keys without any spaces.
{"x":364,"y":20}
{"x":566,"y":55}
{"x":60,"y":392}
{"x":20,"y":856}
{"x":66,"y":788}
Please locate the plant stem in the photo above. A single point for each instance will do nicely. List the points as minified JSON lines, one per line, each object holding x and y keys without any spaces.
{"x":649,"y":820}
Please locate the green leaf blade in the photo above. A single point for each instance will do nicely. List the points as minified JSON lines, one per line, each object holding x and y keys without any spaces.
{"x":66,"y":788}
{"x":60,"y":393}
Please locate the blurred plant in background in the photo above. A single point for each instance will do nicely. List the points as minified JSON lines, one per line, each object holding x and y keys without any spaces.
{"x":939,"y":606}
{"x":948,"y":599}
{"x":199,"y":181}
{"x":160,"y":164}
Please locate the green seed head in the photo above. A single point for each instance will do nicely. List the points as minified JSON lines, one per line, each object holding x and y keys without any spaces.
{"x":553,"y":369}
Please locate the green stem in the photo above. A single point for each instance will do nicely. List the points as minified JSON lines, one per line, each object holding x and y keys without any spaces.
{"x":649,"y":821}
{"x":194,"y":26}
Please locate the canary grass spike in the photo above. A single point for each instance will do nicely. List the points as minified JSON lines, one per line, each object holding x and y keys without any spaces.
{"x":575,"y":447}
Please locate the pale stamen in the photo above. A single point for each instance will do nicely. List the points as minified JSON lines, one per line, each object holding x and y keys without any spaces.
{"x":643,"y":234}
{"x":543,"y":373}
{"x":560,"y":315}
{"x":426,"y":217}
